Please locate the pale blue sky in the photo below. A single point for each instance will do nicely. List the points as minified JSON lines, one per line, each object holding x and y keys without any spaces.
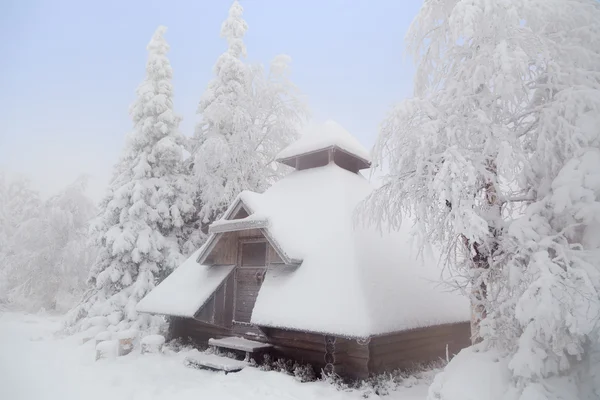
{"x":69,"y":70}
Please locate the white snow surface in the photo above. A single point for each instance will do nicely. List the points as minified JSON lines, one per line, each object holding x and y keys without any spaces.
{"x":354,"y":280}
{"x":478,"y":374}
{"x":185,"y":290}
{"x":128,"y":334}
{"x":108,"y":347}
{"x":155,"y":340}
{"x":215,"y":361}
{"x":35,"y":364}
{"x":318,"y":137}
{"x":102,"y":336}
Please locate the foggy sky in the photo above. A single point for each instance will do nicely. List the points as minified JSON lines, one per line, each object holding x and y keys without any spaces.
{"x":69,"y":70}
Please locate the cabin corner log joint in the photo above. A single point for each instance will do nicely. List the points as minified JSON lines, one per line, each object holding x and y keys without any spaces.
{"x":265,"y":274}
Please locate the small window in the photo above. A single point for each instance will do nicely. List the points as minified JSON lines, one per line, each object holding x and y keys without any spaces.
{"x":254,"y":254}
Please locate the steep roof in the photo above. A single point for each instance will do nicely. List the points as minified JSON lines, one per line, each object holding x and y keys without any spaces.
{"x":341,"y":277}
{"x":353,"y":280}
{"x":320,"y":137}
{"x":185,"y":290}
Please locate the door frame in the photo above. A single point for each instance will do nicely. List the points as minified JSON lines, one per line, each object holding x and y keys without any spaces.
{"x":241,"y":242}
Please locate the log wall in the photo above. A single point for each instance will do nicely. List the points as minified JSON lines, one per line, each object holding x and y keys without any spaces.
{"x":226,"y":249}
{"x":347,"y":357}
{"x":195,"y":332}
{"x":218,"y":310}
{"x":404,"y":350}
{"x":303,"y":347}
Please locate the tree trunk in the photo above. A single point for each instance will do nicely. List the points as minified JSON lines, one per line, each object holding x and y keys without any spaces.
{"x":482,"y":257}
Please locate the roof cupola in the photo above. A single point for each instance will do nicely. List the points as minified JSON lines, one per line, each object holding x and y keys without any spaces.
{"x":325,"y":144}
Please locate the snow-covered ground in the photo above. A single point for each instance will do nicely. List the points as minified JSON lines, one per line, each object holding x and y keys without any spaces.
{"x":37,"y":364}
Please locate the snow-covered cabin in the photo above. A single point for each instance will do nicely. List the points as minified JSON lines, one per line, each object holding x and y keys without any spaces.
{"x":291,"y":267}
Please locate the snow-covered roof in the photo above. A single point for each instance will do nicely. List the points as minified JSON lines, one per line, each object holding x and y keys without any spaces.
{"x":348,"y":279}
{"x":319,"y":137}
{"x":185,"y":290}
{"x":353,"y":280}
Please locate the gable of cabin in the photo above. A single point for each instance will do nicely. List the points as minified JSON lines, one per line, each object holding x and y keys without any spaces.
{"x":227,"y":249}
{"x":233,"y":302}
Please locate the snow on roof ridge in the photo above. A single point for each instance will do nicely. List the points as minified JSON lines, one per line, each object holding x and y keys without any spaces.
{"x":327,"y":135}
{"x":253,"y":221}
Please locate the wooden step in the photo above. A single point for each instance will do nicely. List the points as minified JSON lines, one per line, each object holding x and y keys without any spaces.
{"x":241,"y":344}
{"x":214,"y":363}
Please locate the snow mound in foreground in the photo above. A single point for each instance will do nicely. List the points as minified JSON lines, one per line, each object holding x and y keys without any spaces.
{"x":485,"y":375}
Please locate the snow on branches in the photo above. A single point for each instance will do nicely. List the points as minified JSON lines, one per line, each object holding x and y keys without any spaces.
{"x":496,"y":159}
{"x":146,"y":219}
{"x":247,"y":118}
{"x":45,"y":259}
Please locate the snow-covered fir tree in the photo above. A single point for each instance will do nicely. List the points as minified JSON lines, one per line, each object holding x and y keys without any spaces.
{"x":246,"y":119}
{"x":145,"y":220}
{"x":48,"y":255}
{"x":496,"y":158}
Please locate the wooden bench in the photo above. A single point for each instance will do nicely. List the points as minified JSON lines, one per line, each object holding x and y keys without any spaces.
{"x":249,"y":347}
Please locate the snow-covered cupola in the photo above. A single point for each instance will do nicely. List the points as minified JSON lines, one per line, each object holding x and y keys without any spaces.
{"x":325,"y":144}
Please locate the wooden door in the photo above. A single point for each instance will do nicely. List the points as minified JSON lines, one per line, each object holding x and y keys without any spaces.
{"x":249,"y":276}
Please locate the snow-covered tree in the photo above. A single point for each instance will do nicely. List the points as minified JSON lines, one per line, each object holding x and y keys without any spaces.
{"x":495,"y":160}
{"x":18,"y":203}
{"x":247,"y":118}
{"x":144,"y":223}
{"x":278,"y":113}
{"x":49,"y":253}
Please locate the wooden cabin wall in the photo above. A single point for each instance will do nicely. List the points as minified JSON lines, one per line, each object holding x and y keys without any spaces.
{"x":218,"y":310}
{"x":249,"y":233}
{"x":350,"y":358}
{"x":304,"y":347}
{"x":313,"y":160}
{"x":272,"y":256}
{"x":404,"y":350}
{"x":225,"y":251}
{"x":248,"y":283}
{"x":195,"y":332}
{"x":346,"y":161}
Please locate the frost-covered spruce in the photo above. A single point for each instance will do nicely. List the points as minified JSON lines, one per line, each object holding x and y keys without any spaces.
{"x":144,"y":222}
{"x":497,"y":156}
{"x":247,"y":118}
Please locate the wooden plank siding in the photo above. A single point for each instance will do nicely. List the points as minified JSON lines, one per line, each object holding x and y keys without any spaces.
{"x":272,"y":256}
{"x":218,"y":310}
{"x":195,"y":332}
{"x":303,"y":347}
{"x":248,"y":281}
{"x":352,"y":359}
{"x":225,"y":251}
{"x":404,"y":350}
